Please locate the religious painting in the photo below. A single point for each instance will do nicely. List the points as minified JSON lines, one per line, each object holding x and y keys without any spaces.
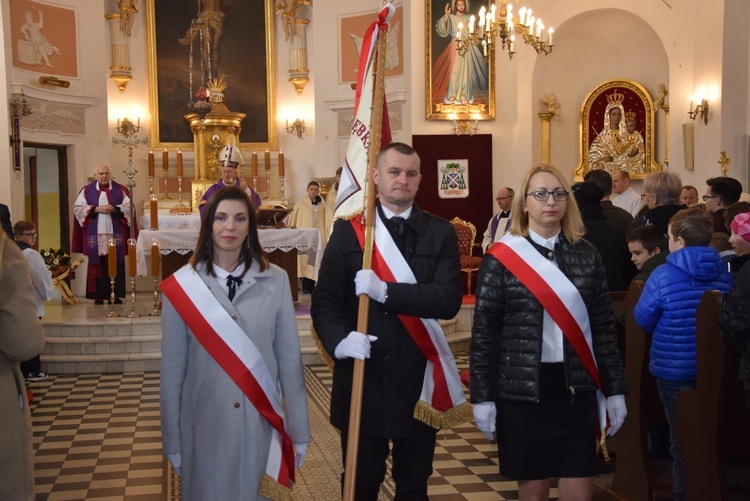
{"x":351,"y":32}
{"x":460,"y":79}
{"x":230,"y":39}
{"x":617,"y":130}
{"x":454,"y":178}
{"x":44,"y":38}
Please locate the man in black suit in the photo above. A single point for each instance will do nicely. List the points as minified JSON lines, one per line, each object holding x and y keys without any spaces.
{"x":395,"y":370}
{"x":5,"y":220}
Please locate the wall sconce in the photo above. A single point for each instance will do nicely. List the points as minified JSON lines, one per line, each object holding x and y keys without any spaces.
{"x":297,"y":127}
{"x":700,"y":110}
{"x":120,"y":68}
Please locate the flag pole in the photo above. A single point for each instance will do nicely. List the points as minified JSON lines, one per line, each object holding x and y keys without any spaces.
{"x":355,"y":409}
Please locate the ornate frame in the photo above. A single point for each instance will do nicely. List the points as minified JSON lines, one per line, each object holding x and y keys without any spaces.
{"x":247,"y":39}
{"x":635,"y":99}
{"x":436,"y":46}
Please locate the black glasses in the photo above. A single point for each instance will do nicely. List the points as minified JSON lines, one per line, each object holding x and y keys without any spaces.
{"x":706,"y":197}
{"x":543,"y":195}
{"x":32,"y":235}
{"x":498,"y":199}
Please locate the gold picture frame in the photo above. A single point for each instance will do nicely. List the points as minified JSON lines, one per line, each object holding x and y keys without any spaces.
{"x":456,"y":92}
{"x":245,"y":57}
{"x":631,"y":145}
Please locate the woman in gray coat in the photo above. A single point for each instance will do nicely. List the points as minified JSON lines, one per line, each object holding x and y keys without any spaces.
{"x":230,"y":352}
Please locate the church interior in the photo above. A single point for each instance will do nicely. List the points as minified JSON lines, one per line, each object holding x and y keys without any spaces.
{"x":156,"y":89}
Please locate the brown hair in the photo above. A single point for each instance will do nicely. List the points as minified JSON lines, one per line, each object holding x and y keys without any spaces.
{"x":571,"y":223}
{"x":21,"y":227}
{"x":650,"y":236}
{"x":736,"y":208}
{"x":693,"y":225}
{"x":204,"y":250}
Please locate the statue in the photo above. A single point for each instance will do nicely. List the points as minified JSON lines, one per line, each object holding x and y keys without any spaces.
{"x":128,"y":9}
{"x":553,"y":106}
{"x":289,"y":16}
{"x":661,"y":94}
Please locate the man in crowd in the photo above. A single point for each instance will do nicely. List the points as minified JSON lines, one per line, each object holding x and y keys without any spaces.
{"x":310,"y":212}
{"x":229,"y":159}
{"x":421,"y":251}
{"x":720,"y":194}
{"x":625,"y":196}
{"x":616,"y":216}
{"x":500,"y":222}
{"x":689,"y":195}
{"x":102,"y":214}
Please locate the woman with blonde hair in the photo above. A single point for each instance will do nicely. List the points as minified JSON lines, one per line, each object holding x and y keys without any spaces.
{"x":545,"y":367}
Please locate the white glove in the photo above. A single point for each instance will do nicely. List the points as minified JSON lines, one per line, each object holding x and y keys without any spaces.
{"x":367,"y":282}
{"x":300,"y":450}
{"x":616,"y":411}
{"x":355,"y":345}
{"x":485,"y":415}
{"x":176,"y":460}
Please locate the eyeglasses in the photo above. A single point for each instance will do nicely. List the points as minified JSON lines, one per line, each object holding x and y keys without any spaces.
{"x":644,"y":195}
{"x":499,"y":199}
{"x":32,"y":235}
{"x":706,"y":197}
{"x":543,"y":195}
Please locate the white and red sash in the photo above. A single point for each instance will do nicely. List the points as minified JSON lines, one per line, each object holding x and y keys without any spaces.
{"x":233,"y":350}
{"x":559,"y":297}
{"x":442,"y":403}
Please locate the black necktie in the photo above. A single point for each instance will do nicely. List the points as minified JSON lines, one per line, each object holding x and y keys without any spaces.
{"x":232,"y":283}
{"x":396,"y":227}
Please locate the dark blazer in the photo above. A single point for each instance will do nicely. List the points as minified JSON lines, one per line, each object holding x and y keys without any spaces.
{"x":395,"y":370}
{"x":5,"y":220}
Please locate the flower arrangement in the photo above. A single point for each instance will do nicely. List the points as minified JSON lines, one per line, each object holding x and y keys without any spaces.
{"x":55,"y":258}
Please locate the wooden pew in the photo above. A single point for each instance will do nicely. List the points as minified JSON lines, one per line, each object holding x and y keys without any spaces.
{"x":636,"y":476}
{"x":713,"y":424}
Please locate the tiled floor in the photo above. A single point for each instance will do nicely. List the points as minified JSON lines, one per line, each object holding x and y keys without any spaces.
{"x":97,"y":436}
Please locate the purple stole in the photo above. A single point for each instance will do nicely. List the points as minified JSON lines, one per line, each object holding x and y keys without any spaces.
{"x":493,"y":226}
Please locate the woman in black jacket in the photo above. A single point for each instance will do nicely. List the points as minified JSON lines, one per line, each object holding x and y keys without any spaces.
{"x":734,"y":320}
{"x":544,"y":354}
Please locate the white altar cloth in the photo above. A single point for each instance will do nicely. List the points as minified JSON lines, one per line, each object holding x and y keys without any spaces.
{"x":307,"y":241}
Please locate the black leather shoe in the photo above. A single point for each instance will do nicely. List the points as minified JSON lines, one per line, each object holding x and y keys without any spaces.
{"x":99,"y":301}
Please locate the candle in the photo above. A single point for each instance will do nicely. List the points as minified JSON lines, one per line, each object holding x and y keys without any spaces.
{"x":267,"y":160}
{"x":154,"y":259}
{"x":281,"y":163}
{"x":112,"y":259}
{"x":150,"y":163}
{"x":254,"y":168}
{"x":549,"y":40}
{"x":132,"y":266}
{"x":154,"y":214}
{"x":179,"y":163}
{"x":165,"y":160}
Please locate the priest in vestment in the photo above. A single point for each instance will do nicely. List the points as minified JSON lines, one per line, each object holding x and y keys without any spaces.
{"x":310,"y":212}
{"x":102,"y":214}
{"x":230,"y":158}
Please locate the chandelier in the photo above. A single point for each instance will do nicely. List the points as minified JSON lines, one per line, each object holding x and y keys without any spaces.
{"x":494,"y":23}
{"x":199,"y":29}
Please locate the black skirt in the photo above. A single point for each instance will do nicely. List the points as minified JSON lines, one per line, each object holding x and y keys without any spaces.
{"x":550,"y":439}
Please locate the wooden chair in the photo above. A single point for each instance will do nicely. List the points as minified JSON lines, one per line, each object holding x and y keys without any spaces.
{"x":467,"y":232}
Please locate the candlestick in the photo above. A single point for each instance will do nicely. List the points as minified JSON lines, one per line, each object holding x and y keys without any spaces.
{"x":132,"y":266}
{"x":112,"y":313}
{"x":254,"y":165}
{"x":132,"y":313}
{"x":267,"y":161}
{"x":112,"y":259}
{"x":179,"y":163}
{"x":281,"y":163}
{"x":151,"y":169}
{"x":154,"y":259}
{"x":154,"y":208}
{"x":165,"y":172}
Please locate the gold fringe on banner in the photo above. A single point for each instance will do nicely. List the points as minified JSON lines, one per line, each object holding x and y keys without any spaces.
{"x":602,"y":444}
{"x":321,"y":350}
{"x":271,"y":489}
{"x":452,"y":417}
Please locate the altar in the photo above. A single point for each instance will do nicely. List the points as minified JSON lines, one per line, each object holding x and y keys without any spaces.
{"x":177,"y":236}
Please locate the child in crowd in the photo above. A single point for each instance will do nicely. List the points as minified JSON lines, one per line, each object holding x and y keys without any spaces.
{"x":666,"y":309}
{"x":25,"y":235}
{"x":648,"y":250}
{"x":720,"y":243}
